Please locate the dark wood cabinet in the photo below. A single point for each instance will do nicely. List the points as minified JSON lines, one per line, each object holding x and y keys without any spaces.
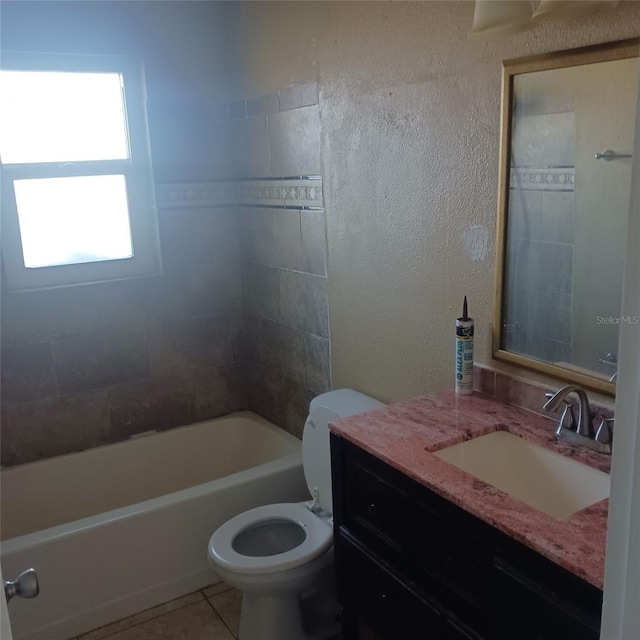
{"x":413,"y":566}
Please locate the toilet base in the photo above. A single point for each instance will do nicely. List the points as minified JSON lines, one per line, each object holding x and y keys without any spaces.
{"x":266,"y":617}
{"x":290,"y":616}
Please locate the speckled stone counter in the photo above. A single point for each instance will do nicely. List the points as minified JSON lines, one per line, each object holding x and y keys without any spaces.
{"x":405,"y":435}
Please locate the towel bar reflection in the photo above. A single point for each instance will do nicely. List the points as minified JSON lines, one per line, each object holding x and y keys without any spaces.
{"x":610,"y":155}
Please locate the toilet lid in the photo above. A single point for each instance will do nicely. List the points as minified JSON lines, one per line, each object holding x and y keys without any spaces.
{"x":318,"y":537}
{"x":316,"y":455}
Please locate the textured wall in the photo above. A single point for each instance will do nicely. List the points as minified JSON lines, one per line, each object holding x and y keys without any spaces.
{"x":410,"y":127}
{"x":87,"y":365}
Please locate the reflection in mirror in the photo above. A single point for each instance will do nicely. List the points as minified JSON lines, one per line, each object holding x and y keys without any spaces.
{"x":564,"y":212}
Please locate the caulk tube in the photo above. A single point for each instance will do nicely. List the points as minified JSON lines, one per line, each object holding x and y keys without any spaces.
{"x":464,"y":352}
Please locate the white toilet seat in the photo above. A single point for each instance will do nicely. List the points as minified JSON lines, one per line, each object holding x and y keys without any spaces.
{"x":319,"y":537}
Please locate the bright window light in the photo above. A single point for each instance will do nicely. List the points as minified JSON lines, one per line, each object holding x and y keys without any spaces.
{"x":55,"y":116}
{"x":77,"y":203}
{"x":73,"y":220}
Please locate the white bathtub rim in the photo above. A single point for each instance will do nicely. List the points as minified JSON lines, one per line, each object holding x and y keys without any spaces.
{"x":279,"y":431}
{"x":77,"y":527}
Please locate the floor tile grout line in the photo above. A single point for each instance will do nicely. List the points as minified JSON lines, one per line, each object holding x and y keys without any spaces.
{"x":202,"y":591}
{"x":229,"y":629}
{"x":137,"y":624}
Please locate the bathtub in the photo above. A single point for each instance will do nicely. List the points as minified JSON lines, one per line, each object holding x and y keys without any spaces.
{"x":124,"y":527}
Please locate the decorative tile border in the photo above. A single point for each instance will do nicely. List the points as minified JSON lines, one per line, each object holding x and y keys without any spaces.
{"x":280,"y":193}
{"x":170,"y":195}
{"x":298,"y":193}
{"x":549,"y":179}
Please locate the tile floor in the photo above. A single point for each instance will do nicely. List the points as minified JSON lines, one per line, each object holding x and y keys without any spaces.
{"x":210,"y":614}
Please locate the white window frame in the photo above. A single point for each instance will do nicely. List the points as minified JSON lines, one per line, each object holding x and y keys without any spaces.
{"x":136,"y":169}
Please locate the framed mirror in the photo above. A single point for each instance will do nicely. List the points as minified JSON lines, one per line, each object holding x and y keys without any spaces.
{"x":567,"y":129}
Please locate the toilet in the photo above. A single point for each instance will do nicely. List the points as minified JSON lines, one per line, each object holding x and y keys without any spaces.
{"x":281,"y":555}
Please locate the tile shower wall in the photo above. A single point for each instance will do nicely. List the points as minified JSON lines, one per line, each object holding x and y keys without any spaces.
{"x":85,"y":366}
{"x":283,"y":247}
{"x":238,"y":318}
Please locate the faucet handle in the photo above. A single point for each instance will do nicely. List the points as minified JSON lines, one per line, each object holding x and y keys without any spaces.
{"x":568,"y":418}
{"x":604,"y":433}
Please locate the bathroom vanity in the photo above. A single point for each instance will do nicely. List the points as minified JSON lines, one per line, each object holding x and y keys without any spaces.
{"x":426,"y":551}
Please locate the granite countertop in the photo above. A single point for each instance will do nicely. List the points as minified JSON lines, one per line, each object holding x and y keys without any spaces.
{"x":405,"y":435}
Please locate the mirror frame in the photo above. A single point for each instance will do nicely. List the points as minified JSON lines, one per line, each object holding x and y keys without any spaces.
{"x":604,"y":52}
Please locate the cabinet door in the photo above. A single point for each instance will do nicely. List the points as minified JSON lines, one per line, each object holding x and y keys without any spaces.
{"x":459,"y":630}
{"x":534,"y":611}
{"x":390,"y":606}
{"x":451,"y":553}
{"x":375,"y":509}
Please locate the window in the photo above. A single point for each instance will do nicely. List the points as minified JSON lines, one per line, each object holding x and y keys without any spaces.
{"x":77,"y":190}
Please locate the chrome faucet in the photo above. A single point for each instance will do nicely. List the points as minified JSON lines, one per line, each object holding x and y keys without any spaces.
{"x":580,"y":431}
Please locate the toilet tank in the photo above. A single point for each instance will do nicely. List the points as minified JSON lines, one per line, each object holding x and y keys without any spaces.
{"x":316,"y":455}
{"x":344,"y":402}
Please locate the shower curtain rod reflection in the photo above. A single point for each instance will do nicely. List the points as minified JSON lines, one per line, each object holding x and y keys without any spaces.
{"x":610,"y":155}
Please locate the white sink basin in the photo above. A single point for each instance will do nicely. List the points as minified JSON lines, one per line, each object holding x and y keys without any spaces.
{"x":541,"y":478}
